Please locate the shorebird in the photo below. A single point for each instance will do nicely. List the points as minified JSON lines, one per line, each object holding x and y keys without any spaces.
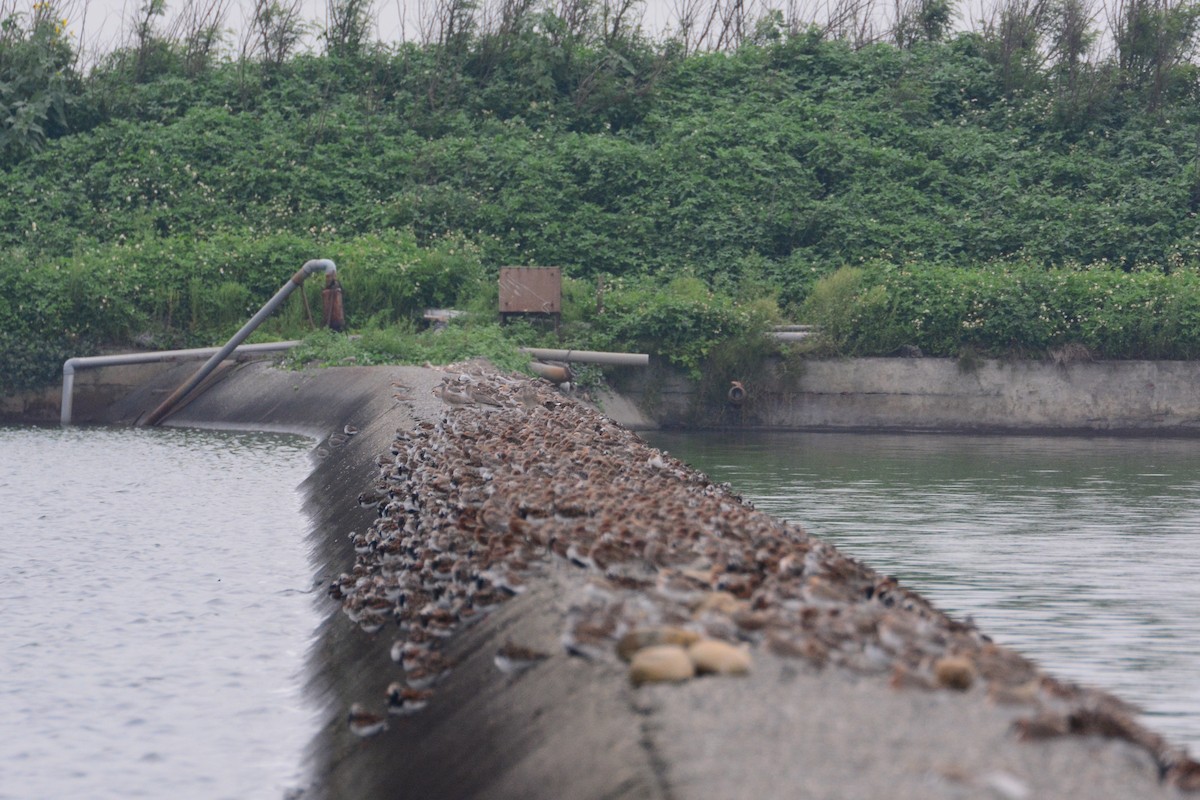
{"x":372,"y":498}
{"x":364,"y":723}
{"x":405,"y":700}
{"x":528,"y":395}
{"x":483,"y":396}
{"x":512,"y":659}
{"x":453,"y":397}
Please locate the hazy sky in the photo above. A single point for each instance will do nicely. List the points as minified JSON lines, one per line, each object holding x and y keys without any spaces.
{"x":101,"y":24}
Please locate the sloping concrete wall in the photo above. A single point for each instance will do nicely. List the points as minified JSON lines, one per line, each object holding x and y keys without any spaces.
{"x":931,"y":394}
{"x":568,"y":732}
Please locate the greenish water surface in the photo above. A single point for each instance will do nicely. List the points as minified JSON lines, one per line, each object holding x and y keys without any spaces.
{"x":1082,"y":553}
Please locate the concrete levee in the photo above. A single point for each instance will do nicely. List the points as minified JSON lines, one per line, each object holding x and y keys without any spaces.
{"x":916,"y":394}
{"x":932,"y":394}
{"x":96,"y":391}
{"x":570,"y":732}
{"x":576,"y":728}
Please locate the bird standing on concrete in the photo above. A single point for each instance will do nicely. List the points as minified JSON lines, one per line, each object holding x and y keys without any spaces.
{"x":364,"y":723}
{"x":452,"y":396}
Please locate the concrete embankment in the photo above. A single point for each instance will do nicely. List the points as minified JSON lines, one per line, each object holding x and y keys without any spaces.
{"x":845,"y":697}
{"x":859,"y":394}
{"x":935,"y":394}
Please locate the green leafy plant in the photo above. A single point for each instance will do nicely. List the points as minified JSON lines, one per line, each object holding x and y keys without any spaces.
{"x":404,"y":345}
{"x":945,"y":194}
{"x":37,"y":86}
{"x":681,"y":321}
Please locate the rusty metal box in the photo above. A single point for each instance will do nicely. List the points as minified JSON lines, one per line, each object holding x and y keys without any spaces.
{"x":530,"y":290}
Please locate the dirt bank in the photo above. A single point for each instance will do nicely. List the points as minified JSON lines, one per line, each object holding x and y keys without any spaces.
{"x":539,"y":524}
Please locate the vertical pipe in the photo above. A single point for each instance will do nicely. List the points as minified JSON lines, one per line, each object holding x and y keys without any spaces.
{"x":68,"y":391}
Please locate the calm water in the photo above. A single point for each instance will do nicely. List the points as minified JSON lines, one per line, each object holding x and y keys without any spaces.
{"x":154,"y":614}
{"x":1080,"y":553}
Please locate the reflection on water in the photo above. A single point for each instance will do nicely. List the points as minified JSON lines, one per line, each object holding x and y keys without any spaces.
{"x":1081,"y":553}
{"x":154,"y":614}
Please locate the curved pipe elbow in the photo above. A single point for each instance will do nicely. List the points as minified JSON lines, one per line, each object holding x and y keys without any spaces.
{"x":323,"y":264}
{"x":315,"y":265}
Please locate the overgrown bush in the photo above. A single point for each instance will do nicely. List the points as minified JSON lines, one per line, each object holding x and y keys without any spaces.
{"x":37,"y":84}
{"x":682,"y":321}
{"x":1023,"y":309}
{"x":180,"y":291}
{"x":403,"y":344}
{"x":841,"y":307}
{"x":939,"y":194}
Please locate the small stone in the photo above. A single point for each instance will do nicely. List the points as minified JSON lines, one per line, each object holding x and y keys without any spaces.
{"x":635,"y":640}
{"x":659,"y":663}
{"x":719,"y":658}
{"x":751,"y":620}
{"x":954,"y":672}
{"x":720,"y":602}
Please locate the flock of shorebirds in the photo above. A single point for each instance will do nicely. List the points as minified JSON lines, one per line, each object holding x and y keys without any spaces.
{"x":515,"y":477}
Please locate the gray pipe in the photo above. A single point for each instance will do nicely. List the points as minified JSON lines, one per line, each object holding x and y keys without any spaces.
{"x":68,"y":393}
{"x":71,"y":365}
{"x":318,"y":264}
{"x":589,"y":356}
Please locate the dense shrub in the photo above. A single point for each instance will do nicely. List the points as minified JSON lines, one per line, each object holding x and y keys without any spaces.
{"x":405,"y":345}
{"x":1026,"y":309}
{"x":178,"y":291}
{"x":681,"y":321}
{"x":940,"y":194}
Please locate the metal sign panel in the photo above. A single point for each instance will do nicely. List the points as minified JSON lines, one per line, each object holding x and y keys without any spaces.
{"x":530,"y":290}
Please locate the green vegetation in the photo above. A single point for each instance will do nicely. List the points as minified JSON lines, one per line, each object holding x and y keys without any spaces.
{"x":402,"y":345}
{"x":1006,"y":190}
{"x":1018,"y":309}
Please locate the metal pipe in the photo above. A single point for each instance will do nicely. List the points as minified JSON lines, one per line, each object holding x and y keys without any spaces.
{"x":791,"y":336}
{"x":68,"y":393}
{"x":319,"y":264}
{"x":589,"y":356}
{"x":555,"y":373}
{"x":71,"y":365}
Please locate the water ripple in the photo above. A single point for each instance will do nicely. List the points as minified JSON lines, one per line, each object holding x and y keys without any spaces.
{"x":1080,"y":552}
{"x":146,"y":614}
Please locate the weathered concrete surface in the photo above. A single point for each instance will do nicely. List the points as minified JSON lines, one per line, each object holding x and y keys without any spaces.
{"x":909,"y":394}
{"x":570,"y":728}
{"x":96,"y":390}
{"x":934,"y":394}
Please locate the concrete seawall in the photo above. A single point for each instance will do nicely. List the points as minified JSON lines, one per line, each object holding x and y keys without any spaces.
{"x":576,"y":728}
{"x":882,"y":394}
{"x":935,"y":394}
